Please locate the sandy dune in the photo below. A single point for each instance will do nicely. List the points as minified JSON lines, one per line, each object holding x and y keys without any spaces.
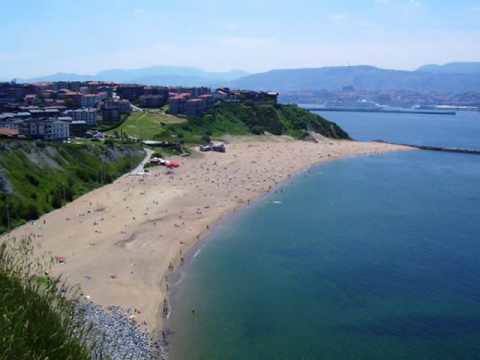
{"x":120,"y":241}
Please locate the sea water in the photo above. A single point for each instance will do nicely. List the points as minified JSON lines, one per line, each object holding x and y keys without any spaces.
{"x":365,"y":258}
{"x":461,"y":130}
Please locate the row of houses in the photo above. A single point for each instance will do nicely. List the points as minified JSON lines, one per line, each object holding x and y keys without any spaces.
{"x":90,"y":116}
{"x":134,"y":92}
{"x":46,"y":129}
{"x":56,"y":111}
{"x":50,"y":126}
{"x":246,"y":96}
{"x":192,"y":102}
{"x":46,"y":100}
{"x":51,"y":129}
{"x":60,"y":98}
{"x":155,"y":96}
{"x":194,"y":105}
{"x":187,"y":104}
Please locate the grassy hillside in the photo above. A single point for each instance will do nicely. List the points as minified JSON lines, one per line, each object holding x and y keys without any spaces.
{"x":36,"y":178}
{"x":146,"y":125}
{"x":38,"y":322}
{"x":229,"y":118}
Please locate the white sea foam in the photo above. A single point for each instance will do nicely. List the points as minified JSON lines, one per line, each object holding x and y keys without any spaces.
{"x":197,"y":253}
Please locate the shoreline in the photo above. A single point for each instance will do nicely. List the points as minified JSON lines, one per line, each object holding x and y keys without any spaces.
{"x":174,"y":278}
{"x":123,"y":241}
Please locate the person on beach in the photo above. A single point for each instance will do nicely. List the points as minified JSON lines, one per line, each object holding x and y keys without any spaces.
{"x":165,"y":307}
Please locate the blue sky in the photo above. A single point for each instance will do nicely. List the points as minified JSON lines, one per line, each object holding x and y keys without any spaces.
{"x":40,"y":37}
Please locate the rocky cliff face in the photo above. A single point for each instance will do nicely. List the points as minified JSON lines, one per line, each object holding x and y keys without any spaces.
{"x":5,"y":186}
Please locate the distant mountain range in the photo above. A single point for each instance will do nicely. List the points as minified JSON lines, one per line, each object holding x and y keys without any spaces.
{"x":450,"y":78}
{"x":453,"y":68}
{"x":156,"y":75}
{"x":430,"y":78}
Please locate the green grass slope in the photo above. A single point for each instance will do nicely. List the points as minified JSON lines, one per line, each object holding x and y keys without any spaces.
{"x":232,"y":119}
{"x":36,"y":178}
{"x":146,"y":125}
{"x":243,"y":119}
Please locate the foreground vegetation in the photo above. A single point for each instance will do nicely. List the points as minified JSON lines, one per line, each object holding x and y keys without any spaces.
{"x":37,"y":321}
{"x":228,"y":118}
{"x":37,"y":177}
{"x":40,"y":317}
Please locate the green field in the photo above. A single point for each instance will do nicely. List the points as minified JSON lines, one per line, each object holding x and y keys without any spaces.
{"x":146,"y":125}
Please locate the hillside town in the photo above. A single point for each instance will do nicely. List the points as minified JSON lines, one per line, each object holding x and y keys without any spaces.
{"x":352,"y":97}
{"x":62,"y":110}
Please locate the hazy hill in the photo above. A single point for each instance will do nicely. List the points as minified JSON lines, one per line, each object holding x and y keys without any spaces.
{"x":59,"y":77}
{"x":449,"y":78}
{"x":156,"y":75}
{"x":361,"y":77}
{"x":453,"y":68}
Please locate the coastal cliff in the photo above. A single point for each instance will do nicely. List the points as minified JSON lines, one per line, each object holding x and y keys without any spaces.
{"x":257,"y":119}
{"x":37,"y":177}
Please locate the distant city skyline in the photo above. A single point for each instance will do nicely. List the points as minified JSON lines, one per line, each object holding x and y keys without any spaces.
{"x":42,"y":37}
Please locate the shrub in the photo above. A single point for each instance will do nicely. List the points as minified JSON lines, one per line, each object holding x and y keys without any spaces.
{"x":31,"y":212}
{"x":32,"y":180}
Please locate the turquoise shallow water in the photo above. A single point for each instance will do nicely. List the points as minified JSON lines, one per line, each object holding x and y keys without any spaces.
{"x":365,"y":258}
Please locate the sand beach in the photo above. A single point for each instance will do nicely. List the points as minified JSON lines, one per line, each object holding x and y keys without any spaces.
{"x":120,"y":242}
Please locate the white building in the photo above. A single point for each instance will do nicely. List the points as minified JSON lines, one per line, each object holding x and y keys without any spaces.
{"x":51,"y":129}
{"x":57,"y":130}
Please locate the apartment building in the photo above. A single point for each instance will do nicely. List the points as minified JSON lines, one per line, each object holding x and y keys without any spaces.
{"x":46,"y":129}
{"x":89,"y":101}
{"x":89,"y":116}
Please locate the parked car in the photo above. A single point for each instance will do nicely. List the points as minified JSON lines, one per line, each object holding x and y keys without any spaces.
{"x":219,"y":147}
{"x":205,"y":148}
{"x":157,"y":161}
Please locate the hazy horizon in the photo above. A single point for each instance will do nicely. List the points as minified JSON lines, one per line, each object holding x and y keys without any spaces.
{"x":221,"y":71}
{"x":50,"y":36}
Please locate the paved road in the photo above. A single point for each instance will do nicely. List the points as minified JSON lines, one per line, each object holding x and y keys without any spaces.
{"x":140,"y":169}
{"x":136,"y":108}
